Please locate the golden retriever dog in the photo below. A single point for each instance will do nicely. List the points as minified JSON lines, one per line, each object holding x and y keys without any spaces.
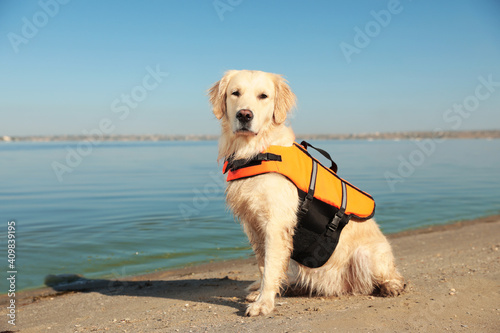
{"x":252,"y":107}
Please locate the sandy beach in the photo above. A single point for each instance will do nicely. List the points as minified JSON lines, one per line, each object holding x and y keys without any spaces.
{"x":452,"y":274}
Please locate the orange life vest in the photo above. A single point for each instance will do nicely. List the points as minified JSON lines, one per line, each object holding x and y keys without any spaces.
{"x":296,"y":164}
{"x":327,"y":202}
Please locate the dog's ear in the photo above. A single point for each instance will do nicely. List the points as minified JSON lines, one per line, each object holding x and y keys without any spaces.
{"x":284,"y":100}
{"x":218,"y":96}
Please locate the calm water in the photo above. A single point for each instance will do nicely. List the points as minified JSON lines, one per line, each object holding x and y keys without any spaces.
{"x":131,"y":208}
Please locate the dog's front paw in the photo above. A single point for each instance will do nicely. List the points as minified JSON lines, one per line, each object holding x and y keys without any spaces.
{"x":259,"y":308}
{"x":252,"y":297}
{"x":392,"y":288}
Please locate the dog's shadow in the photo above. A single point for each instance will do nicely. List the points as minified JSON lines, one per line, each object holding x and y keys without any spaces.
{"x":218,"y":291}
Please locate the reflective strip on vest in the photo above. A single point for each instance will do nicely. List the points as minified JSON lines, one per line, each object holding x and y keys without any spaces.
{"x":296,"y":165}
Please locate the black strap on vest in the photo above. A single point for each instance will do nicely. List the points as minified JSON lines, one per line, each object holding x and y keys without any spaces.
{"x":318,"y":231}
{"x":334,"y":167}
{"x":340,"y":215}
{"x":234,"y":165}
{"x":312,"y":187}
{"x":304,"y":207}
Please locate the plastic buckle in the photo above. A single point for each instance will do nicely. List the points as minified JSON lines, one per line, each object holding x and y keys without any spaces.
{"x":334,"y":224}
{"x":304,"y":208}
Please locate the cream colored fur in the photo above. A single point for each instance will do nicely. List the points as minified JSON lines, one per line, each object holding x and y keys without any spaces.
{"x":267,"y":204}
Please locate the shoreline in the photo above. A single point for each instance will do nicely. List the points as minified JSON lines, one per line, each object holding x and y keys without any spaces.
{"x":452,"y":275}
{"x":45,"y":291}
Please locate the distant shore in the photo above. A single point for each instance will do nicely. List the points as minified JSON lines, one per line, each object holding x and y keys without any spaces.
{"x":483,"y":134}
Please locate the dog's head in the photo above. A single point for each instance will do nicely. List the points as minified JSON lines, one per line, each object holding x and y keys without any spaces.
{"x":250,"y":101}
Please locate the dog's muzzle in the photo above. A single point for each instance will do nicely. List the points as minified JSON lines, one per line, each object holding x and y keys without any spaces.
{"x":244,"y":122}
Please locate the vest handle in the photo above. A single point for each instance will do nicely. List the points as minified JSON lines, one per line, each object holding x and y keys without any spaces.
{"x":322,"y":152}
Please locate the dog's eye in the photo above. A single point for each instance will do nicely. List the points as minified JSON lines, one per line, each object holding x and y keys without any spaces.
{"x":236,"y":93}
{"x":262,"y":96}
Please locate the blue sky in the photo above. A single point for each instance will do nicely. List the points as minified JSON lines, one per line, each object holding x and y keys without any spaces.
{"x":64,"y":67}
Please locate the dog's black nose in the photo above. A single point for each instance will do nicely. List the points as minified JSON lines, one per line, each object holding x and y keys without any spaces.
{"x":244,"y":116}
